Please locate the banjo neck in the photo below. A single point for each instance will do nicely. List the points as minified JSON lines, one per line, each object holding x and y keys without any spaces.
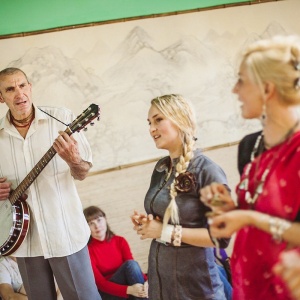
{"x":31,"y":176}
{"x":34,"y":173}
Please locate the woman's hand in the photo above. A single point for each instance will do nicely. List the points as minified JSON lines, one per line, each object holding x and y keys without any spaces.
{"x":146,"y":226}
{"x":217,"y":197}
{"x":138,"y":218}
{"x":225,"y":224}
{"x":289,"y":269}
{"x":137,"y":290}
{"x":151,"y":229}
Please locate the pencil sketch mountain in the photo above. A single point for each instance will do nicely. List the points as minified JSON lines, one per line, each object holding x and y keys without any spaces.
{"x":123,"y":80}
{"x":58,"y":79}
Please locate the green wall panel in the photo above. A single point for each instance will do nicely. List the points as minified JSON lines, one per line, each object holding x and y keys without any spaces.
{"x":25,"y":16}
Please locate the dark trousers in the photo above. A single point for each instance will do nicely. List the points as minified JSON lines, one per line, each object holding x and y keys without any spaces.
{"x":128,"y":274}
{"x":73,"y":273}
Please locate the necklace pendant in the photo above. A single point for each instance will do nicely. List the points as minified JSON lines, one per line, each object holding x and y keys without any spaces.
{"x":244,"y":184}
{"x":260,"y":188}
{"x":248,"y":197}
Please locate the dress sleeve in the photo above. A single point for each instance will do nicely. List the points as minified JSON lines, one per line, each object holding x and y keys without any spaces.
{"x":214,"y":173}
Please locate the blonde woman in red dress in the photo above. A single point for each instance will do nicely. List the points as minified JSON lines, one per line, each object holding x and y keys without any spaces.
{"x":267,"y":215}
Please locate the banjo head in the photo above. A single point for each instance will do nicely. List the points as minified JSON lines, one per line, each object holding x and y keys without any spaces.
{"x":14,"y":223}
{"x":7,"y":216}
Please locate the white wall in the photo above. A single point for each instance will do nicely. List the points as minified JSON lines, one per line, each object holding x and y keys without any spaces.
{"x":122,"y":66}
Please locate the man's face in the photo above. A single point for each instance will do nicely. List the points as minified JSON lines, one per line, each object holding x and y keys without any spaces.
{"x":15,"y":92}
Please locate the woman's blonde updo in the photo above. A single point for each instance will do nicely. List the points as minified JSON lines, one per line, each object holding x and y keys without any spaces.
{"x":180,"y":113}
{"x":276,"y":60}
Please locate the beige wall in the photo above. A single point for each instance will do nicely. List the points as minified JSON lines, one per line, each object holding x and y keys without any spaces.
{"x":119,"y":192}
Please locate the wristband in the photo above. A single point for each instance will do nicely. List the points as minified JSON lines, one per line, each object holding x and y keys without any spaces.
{"x":177,"y":236}
{"x":166,"y":234}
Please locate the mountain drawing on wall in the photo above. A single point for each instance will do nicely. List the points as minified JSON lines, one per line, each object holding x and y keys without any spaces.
{"x":124,"y":80}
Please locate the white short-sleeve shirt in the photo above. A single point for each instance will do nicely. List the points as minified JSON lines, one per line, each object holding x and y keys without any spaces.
{"x":9,"y":273}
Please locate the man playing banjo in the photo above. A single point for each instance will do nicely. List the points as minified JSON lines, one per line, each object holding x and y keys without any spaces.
{"x":57,"y":234}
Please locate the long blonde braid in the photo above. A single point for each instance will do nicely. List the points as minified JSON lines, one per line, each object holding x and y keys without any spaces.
{"x":180,"y":112}
{"x":181,"y":167}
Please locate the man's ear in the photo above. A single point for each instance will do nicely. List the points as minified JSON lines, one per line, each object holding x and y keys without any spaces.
{"x":1,"y":98}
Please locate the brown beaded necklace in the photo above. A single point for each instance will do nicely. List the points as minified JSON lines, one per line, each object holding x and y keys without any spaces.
{"x":244,"y":185}
{"x":26,"y":122}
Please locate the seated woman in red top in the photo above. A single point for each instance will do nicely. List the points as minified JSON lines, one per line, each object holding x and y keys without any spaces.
{"x":117,"y":274}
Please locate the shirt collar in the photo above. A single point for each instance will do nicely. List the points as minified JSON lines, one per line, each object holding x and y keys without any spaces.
{"x":40,"y":115}
{"x":165,"y":163}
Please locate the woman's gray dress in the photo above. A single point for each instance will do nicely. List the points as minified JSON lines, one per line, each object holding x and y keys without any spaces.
{"x":186,"y":272}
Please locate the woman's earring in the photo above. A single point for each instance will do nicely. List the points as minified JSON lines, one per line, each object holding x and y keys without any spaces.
{"x":263,"y":115}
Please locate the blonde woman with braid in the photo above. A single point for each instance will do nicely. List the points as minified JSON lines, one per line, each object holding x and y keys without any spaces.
{"x":267,"y":219}
{"x":181,"y":259}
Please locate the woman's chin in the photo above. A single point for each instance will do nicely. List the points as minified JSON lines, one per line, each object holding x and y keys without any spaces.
{"x":98,"y":237}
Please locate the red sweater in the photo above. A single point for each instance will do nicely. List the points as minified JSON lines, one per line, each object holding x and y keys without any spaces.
{"x":106,"y":258}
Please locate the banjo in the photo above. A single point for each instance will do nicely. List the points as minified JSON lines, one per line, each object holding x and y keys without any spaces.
{"x":15,"y":212}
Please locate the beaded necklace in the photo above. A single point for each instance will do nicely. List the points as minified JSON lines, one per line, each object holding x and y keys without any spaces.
{"x":26,"y":122}
{"x":244,"y":185}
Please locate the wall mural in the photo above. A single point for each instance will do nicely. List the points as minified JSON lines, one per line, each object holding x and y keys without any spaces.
{"x":122,"y":66}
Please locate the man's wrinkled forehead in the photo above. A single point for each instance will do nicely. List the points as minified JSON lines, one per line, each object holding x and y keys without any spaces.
{"x":11,"y":80}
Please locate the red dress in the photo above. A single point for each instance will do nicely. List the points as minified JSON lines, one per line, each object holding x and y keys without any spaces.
{"x":255,"y":252}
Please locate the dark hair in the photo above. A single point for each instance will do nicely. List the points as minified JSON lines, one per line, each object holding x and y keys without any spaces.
{"x":11,"y":71}
{"x":92,"y":213}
